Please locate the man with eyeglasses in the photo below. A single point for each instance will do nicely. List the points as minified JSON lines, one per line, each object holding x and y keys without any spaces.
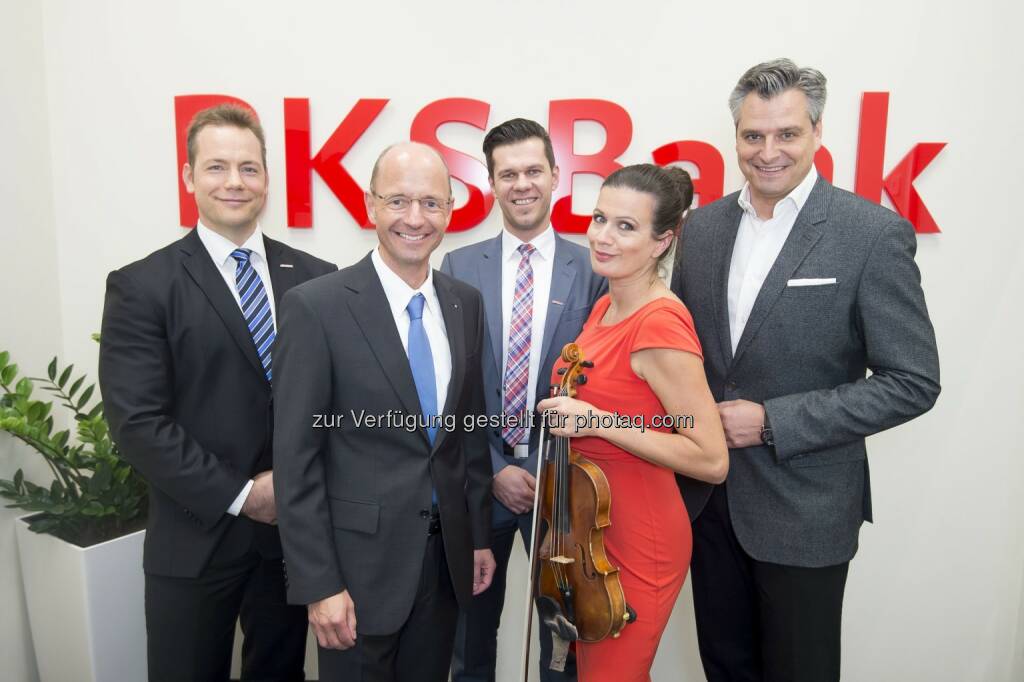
{"x":385,"y":517}
{"x":538,"y":289}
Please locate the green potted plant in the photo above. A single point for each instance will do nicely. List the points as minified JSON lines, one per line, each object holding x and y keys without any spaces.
{"x":80,"y":545}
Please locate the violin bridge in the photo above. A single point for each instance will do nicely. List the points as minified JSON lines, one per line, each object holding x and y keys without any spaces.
{"x":563,"y":559}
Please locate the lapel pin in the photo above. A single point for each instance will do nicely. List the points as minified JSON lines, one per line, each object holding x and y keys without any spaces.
{"x":557,"y":302}
{"x":286,"y":265}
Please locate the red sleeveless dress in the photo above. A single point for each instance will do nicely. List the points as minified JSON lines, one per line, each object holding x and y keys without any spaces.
{"x":649,"y":539}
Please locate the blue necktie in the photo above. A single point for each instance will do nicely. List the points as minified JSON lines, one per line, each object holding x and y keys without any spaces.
{"x":421,"y":362}
{"x":255,"y":307}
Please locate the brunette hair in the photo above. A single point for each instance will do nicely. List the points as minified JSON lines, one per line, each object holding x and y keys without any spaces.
{"x":511,"y":132}
{"x":671,"y":188}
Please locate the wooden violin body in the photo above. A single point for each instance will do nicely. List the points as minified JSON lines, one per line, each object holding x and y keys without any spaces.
{"x":578,"y":592}
{"x":574,"y":570}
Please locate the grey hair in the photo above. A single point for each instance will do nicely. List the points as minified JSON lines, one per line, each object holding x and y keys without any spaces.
{"x":770,"y":79}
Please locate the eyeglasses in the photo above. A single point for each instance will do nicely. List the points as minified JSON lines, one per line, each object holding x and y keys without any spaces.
{"x":399,"y":203}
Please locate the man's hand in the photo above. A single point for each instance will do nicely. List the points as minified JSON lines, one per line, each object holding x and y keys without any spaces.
{"x":259,"y":504}
{"x":334,"y":621}
{"x":742,"y":421}
{"x":514,"y":486}
{"x":483,"y":569}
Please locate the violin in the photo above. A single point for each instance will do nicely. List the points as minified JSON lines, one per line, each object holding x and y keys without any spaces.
{"x":576,"y":588}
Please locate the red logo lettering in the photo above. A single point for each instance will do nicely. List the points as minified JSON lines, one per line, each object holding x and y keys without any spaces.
{"x":463,"y":167}
{"x":327,"y":162}
{"x":562,"y":116}
{"x":899,"y":183}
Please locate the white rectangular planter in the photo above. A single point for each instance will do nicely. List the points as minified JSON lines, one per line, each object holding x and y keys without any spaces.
{"x":85,"y":607}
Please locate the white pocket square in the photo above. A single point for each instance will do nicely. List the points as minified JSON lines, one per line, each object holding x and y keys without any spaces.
{"x":811,"y":282}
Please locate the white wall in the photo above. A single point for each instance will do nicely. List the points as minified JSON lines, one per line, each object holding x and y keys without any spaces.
{"x":936,"y":591}
{"x":30,"y":313}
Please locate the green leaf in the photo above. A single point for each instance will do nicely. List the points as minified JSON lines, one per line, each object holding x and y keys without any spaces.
{"x":61,"y":439}
{"x":100,"y":481}
{"x":51,"y":369}
{"x":4,"y":357}
{"x":24,"y":387}
{"x":64,"y":376}
{"x":85,"y":396}
{"x":75,"y":386}
{"x":35,"y":411}
{"x":7,"y":374}
{"x":95,"y":337}
{"x":96,"y":410}
{"x":19,"y":477}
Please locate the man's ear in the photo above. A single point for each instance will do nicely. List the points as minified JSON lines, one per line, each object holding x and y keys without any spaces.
{"x":187,"y":178}
{"x":371,"y":207}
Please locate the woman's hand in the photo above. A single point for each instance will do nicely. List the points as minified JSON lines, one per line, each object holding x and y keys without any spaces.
{"x":570,"y":417}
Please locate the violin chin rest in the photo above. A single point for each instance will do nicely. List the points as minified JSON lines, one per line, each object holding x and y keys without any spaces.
{"x":551,"y":615}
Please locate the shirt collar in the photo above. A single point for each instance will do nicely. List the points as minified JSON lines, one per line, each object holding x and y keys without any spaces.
{"x":398,"y":292}
{"x":543,"y":242}
{"x":797,"y":198}
{"x":220,"y":247}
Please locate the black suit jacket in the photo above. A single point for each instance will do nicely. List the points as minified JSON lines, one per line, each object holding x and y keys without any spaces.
{"x":185,"y":395}
{"x":352,"y":499}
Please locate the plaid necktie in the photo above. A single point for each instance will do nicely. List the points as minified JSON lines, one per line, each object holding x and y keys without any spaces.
{"x":255,"y":307}
{"x":517,"y":370}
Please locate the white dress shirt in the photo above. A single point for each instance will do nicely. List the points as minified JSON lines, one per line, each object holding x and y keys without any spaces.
{"x":220,"y":248}
{"x":543,"y":261}
{"x":399,"y":294}
{"x":758,"y":244}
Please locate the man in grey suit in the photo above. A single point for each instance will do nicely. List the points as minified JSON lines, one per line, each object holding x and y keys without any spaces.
{"x":538,"y":290}
{"x":383,"y":493}
{"x":797,"y":288}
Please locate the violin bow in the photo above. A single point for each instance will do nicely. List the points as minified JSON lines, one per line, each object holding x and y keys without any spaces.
{"x":535,"y":540}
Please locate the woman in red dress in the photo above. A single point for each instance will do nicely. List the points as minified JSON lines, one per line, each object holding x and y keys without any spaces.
{"x":648,"y":370}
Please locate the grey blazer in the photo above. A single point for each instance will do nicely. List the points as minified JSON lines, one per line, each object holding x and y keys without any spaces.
{"x":804,"y":354}
{"x":353,"y":499}
{"x":574,"y":288}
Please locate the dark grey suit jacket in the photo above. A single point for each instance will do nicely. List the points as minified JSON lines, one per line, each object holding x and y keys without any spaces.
{"x":352,"y":499}
{"x":574,"y":288}
{"x":804,"y":354}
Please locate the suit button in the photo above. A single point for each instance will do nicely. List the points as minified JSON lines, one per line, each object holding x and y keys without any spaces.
{"x":424,"y":514}
{"x":731,"y":385}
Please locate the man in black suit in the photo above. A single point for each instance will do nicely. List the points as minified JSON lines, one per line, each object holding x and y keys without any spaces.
{"x":185,"y":369}
{"x":383,"y":492}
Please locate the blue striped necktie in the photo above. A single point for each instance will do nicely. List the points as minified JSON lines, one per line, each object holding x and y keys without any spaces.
{"x":255,"y":307}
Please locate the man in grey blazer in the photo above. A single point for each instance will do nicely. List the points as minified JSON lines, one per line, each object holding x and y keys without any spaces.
{"x":797,"y":288}
{"x":383,"y":493}
{"x":538,"y":290}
